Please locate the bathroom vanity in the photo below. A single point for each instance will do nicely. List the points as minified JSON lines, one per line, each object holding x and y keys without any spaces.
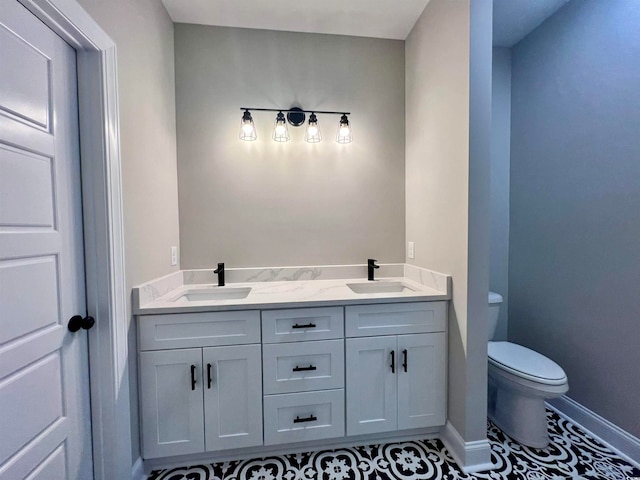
{"x":284,"y":361}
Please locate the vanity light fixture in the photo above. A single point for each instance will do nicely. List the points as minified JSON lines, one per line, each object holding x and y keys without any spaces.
{"x":280,"y":129}
{"x":344,"y":131}
{"x":247,"y":128}
{"x":312,"y":134}
{"x":295,"y":116}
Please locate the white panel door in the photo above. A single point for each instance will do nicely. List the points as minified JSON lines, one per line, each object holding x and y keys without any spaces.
{"x":232,"y":396}
{"x":371,"y":385}
{"x":44,"y":385}
{"x":171,"y":402}
{"x":421,"y":380}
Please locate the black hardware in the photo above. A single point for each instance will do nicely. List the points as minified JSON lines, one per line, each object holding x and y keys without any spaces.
{"x":220,"y":272}
{"x":296,"y":116}
{"x":404,"y":360}
{"x":208,"y":375}
{"x":77,"y":322}
{"x":310,"y":418}
{"x":393,"y":361}
{"x":294,"y":109}
{"x":371,"y":265}
{"x":193,"y":377}
{"x":308,"y":325}
{"x":304,"y":369}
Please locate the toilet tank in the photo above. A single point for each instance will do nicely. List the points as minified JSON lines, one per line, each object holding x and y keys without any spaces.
{"x":495,"y":300}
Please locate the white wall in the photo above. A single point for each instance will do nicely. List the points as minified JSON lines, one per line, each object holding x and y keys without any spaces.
{"x":264,"y":203}
{"x":143,"y":33}
{"x":574,"y":266}
{"x":441,"y":151}
{"x":500,"y":159}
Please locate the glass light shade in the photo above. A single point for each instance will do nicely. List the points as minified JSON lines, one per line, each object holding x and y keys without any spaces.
{"x":247,"y":128}
{"x":345,"y":135}
{"x":312,"y":134}
{"x":280,"y":130}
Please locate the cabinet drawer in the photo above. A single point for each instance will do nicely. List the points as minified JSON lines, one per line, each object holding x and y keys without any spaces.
{"x":298,"y":417}
{"x":395,"y":318}
{"x":207,"y":329}
{"x":304,"y":366}
{"x":299,"y":324}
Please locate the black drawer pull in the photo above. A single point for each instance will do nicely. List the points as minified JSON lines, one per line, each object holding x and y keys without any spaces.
{"x":393,"y":361}
{"x":310,"y":418}
{"x":209,"y":375}
{"x":304,"y":369}
{"x":193,"y":377}
{"x":308,"y":325}
{"x":404,"y":360}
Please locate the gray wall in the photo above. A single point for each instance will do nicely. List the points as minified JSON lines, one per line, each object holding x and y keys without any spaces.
{"x":264,"y":203}
{"x":500,"y":158}
{"x":574,"y":266}
{"x":143,"y":34}
{"x":440,"y":156}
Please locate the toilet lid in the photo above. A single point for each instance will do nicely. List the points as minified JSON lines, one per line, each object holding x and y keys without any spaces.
{"x":525,"y":363}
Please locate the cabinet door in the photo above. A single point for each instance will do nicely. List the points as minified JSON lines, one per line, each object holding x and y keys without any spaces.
{"x":421,"y":380}
{"x":232,"y":396}
{"x":171,"y":403}
{"x":371,"y":385}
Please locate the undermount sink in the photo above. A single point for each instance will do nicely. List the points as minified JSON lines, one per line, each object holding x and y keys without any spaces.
{"x":213,"y":293}
{"x":379,"y":287}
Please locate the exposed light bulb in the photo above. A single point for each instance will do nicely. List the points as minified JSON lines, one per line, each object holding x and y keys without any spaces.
{"x":312,"y":134}
{"x":280,"y":130}
{"x":247,"y":129}
{"x":344,"y":131}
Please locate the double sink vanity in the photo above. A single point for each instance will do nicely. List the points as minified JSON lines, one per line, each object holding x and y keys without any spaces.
{"x":279,"y":358}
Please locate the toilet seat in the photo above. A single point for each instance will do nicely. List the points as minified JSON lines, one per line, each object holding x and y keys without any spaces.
{"x":525,"y":363}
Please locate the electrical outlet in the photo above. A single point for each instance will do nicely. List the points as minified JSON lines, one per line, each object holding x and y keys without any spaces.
{"x":411,"y":250}
{"x":174,"y":256}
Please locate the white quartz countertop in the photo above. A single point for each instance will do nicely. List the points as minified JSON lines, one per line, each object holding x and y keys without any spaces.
{"x":285,"y":294}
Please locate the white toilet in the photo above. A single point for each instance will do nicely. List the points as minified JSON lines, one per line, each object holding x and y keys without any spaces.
{"x":519,"y":382}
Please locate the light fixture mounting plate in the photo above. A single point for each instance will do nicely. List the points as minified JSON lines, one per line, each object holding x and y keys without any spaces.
{"x":296,"y":116}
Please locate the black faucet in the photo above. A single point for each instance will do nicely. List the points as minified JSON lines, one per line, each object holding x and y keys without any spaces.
{"x":371,"y":265}
{"x":220,"y":272}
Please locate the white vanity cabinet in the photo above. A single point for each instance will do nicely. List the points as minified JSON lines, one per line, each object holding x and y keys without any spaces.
{"x":204,"y":398}
{"x":221,"y":380}
{"x":395,"y":381}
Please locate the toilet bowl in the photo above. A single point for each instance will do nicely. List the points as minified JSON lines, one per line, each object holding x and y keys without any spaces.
{"x":520,"y":380}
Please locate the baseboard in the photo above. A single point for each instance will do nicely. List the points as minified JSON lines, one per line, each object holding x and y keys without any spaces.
{"x":137,"y":471}
{"x":617,"y":439}
{"x":471,"y":457}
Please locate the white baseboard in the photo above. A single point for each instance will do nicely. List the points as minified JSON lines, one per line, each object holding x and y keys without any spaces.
{"x":620,"y":441}
{"x":137,"y":471}
{"x":471,"y":457}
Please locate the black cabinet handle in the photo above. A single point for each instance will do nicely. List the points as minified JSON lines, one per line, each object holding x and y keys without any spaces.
{"x":393,"y":361}
{"x":304,"y":369}
{"x":310,"y":418}
{"x":308,"y":325}
{"x":404,"y":360}
{"x":208,"y":375}
{"x":193,"y":377}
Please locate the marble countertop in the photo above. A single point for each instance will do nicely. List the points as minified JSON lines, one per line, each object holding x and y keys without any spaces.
{"x":288,"y":289}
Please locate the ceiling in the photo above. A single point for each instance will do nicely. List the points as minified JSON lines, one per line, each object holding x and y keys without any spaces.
{"x":394,"y":19}
{"x":515,"y":19}
{"x":361,"y":18}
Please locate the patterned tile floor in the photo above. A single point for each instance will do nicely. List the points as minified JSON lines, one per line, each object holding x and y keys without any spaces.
{"x":571,"y":454}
